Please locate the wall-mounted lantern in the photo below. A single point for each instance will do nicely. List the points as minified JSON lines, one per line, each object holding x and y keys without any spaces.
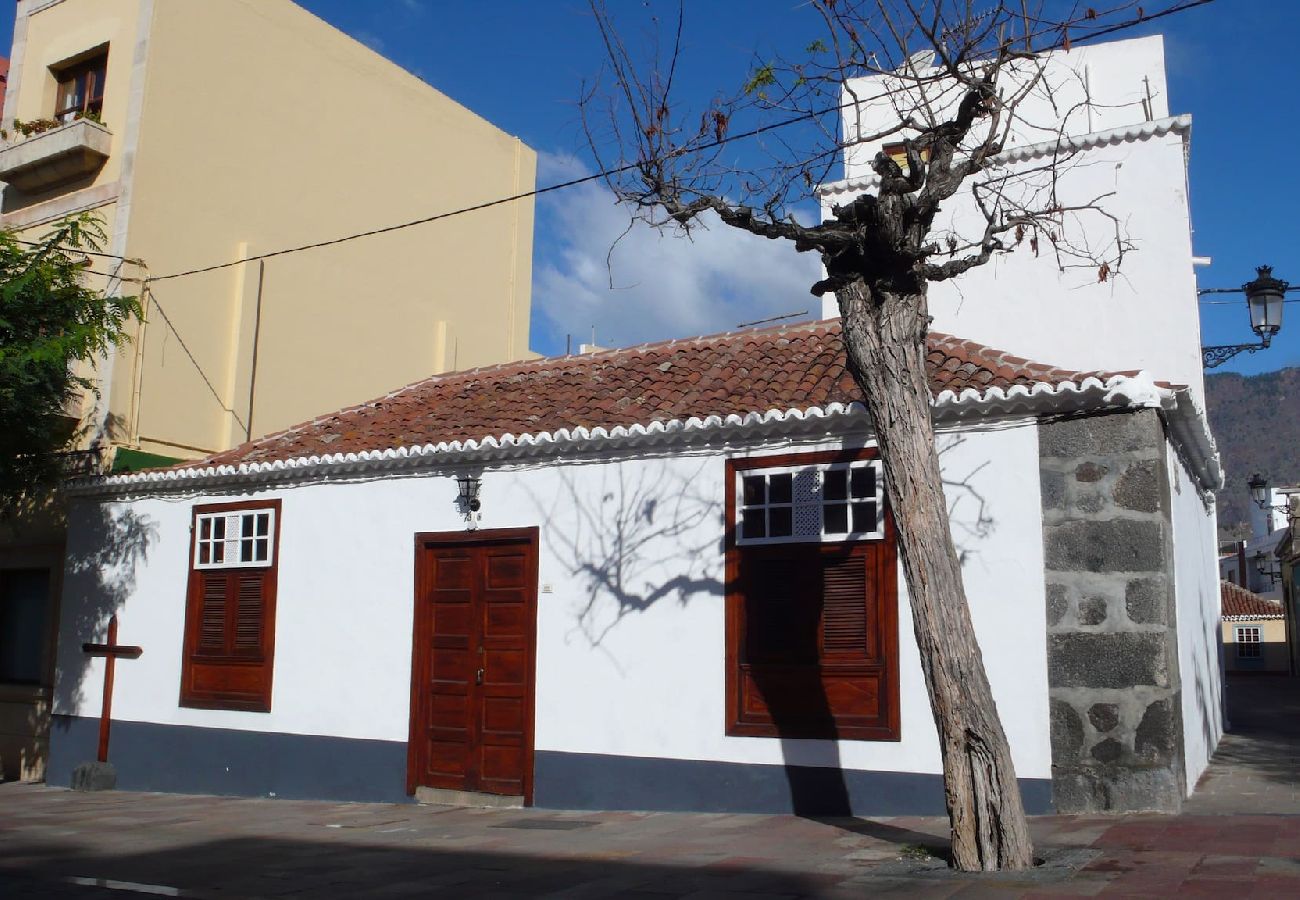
{"x":468,"y":497}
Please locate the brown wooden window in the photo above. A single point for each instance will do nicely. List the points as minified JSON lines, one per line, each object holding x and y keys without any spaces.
{"x":81,"y":88}
{"x":230,"y":606}
{"x":812,"y":609}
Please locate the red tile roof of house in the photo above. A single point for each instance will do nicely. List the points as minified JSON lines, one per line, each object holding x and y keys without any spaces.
{"x":1241,"y":603}
{"x":785,"y":367}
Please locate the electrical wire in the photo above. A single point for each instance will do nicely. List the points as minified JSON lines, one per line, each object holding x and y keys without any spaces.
{"x":618,"y":170}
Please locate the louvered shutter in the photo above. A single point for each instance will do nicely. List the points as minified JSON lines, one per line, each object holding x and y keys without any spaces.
{"x":844,"y":606}
{"x":212,"y":613}
{"x":249,"y":611}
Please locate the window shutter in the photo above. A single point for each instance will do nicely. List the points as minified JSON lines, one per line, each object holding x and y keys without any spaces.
{"x":248,"y":622}
{"x":212,"y":622}
{"x":844,"y":606}
{"x":781,"y":616}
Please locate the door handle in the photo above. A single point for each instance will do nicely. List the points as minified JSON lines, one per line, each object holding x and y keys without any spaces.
{"x":478,"y":677}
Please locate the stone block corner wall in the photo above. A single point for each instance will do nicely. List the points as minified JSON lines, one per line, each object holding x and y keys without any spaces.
{"x":1112,"y":645}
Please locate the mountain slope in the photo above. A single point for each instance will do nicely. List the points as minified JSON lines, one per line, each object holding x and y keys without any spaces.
{"x":1256,"y":421}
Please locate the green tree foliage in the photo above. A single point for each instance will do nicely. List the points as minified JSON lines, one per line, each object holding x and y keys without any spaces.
{"x":49,"y":321}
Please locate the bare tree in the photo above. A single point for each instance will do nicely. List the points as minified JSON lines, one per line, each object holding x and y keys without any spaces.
{"x":951,"y":83}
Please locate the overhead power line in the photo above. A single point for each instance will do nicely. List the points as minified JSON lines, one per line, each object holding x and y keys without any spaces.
{"x":618,"y":170}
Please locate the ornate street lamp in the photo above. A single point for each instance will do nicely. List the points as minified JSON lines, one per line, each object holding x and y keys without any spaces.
{"x":1258,"y":485}
{"x":1264,"y":297}
{"x":1260,"y":495}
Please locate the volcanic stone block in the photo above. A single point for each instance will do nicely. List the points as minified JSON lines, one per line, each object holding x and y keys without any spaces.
{"x":1057,"y":603}
{"x":1103,"y":716}
{"x":1053,"y":488}
{"x":1146,"y":600}
{"x":94,"y":776}
{"x":1067,"y":732}
{"x":1140,"y":487}
{"x":1100,"y":435}
{"x":1116,"y":545}
{"x":1107,"y":659}
{"x":1090,"y":471}
{"x":1092,"y":610}
{"x":1107,"y":751}
{"x":1156,"y":737}
{"x":1116,"y":788}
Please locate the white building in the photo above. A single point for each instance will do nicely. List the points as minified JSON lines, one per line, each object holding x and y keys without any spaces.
{"x":630,"y":625}
{"x":681,"y":591}
{"x":1124,"y":147}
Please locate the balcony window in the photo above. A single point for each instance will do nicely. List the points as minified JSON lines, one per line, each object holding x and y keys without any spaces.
{"x":81,"y":89}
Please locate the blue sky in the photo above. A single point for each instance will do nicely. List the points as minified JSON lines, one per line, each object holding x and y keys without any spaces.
{"x":520,"y":63}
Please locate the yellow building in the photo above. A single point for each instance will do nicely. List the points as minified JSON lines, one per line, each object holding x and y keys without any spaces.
{"x":209,"y":132}
{"x":1254,"y":632}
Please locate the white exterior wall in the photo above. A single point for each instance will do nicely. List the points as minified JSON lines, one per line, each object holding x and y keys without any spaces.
{"x":1116,"y":77}
{"x":644,"y":678}
{"x":1146,"y":316}
{"x":1197,"y":604}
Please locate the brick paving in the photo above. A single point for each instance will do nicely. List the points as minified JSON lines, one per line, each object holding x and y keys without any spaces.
{"x":1239,"y":836}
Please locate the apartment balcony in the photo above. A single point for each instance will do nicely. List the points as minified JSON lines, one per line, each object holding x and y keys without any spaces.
{"x":53,"y":157}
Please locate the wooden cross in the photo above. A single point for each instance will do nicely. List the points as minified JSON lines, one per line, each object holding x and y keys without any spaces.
{"x":110,"y":651}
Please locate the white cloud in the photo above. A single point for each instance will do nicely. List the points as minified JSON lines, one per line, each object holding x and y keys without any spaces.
{"x":664,"y":285}
{"x":371,"y":40}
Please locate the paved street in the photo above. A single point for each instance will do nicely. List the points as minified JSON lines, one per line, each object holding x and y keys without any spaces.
{"x":1240,"y":836}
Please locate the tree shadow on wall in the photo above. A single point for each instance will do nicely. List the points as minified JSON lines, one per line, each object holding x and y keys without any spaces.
{"x":105,"y":547}
{"x":970,"y":513}
{"x":639,"y":536}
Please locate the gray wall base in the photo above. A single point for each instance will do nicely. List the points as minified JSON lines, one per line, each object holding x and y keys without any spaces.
{"x":187,"y":760}
{"x":594,"y":781}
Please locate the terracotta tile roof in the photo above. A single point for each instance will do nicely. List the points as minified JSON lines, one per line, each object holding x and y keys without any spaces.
{"x":791,"y":366}
{"x":1239,"y":602}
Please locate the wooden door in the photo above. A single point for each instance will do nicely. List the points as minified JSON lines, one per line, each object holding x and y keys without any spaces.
{"x":472,"y":665}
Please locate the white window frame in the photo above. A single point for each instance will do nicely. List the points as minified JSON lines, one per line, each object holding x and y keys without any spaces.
{"x":1254,"y":641}
{"x":237,"y":515}
{"x":875,"y":534}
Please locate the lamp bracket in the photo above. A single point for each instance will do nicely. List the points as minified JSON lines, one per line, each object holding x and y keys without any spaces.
{"x":1212,"y":357}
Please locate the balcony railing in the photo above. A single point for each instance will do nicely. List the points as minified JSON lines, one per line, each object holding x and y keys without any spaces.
{"x":56,"y":156}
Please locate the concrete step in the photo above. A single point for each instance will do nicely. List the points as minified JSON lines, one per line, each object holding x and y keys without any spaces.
{"x":445,"y":797}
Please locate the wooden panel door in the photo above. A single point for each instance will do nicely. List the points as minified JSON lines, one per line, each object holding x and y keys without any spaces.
{"x":472,"y":674}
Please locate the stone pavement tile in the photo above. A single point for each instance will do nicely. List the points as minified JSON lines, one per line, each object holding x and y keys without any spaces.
{"x":867,"y":886}
{"x":1131,"y":835}
{"x":1280,"y":866}
{"x":737,"y":895}
{"x":1226,"y":867}
{"x":1075,"y":888}
{"x":1277,"y":886}
{"x":1217,"y":887}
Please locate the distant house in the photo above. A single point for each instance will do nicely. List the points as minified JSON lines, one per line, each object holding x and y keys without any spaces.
{"x":1254,"y":632}
{"x":679,"y":590}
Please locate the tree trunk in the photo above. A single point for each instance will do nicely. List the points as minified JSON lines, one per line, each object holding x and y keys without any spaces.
{"x":884,"y":337}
